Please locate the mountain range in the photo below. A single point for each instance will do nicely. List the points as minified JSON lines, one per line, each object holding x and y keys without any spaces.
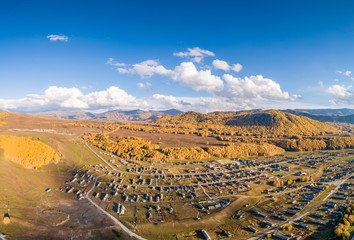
{"x":115,"y":115}
{"x":324,"y":115}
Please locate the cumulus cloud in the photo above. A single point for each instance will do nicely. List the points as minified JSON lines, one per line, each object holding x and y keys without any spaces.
{"x":226,"y":92}
{"x":237,"y":67}
{"x":149,"y":68}
{"x":111,"y":97}
{"x":253,"y":88}
{"x":188,"y":75}
{"x":145,"y":69}
{"x":341,"y":94}
{"x":220,"y":64}
{"x":55,"y":38}
{"x":223,"y":65}
{"x":197,"y":54}
{"x":55,"y":98}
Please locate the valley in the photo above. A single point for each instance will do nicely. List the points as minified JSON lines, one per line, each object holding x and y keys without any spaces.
{"x":95,"y":193}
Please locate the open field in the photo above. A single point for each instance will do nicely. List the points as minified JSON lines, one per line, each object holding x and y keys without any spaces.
{"x":35,"y":213}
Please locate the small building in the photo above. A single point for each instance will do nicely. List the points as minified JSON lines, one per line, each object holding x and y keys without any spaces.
{"x":206,"y":235}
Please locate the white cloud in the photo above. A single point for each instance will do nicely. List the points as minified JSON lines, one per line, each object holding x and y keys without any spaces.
{"x":55,"y":38}
{"x":122,"y":70}
{"x":111,"y":61}
{"x":149,"y":68}
{"x":220,"y":64}
{"x":111,"y":97}
{"x":55,"y":98}
{"x":166,"y":102}
{"x":253,"y":88}
{"x":197,"y":54}
{"x":345,"y":73}
{"x":141,"y":85}
{"x":227,"y":92}
{"x":341,"y":94}
{"x":200,"y":104}
{"x":144,"y":85}
{"x":339,"y":91}
{"x":237,"y":67}
{"x":145,"y":69}
{"x":297,"y":96}
{"x":187,"y":74}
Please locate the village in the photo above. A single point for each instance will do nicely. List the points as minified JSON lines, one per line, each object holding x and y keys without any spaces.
{"x":284,"y":197}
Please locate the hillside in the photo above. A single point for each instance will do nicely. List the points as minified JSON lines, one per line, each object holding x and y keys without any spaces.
{"x":115,"y":115}
{"x":271,"y":123}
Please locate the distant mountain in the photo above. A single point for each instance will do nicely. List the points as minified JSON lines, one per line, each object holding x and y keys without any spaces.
{"x":115,"y":115}
{"x":271,"y":121}
{"x":329,"y":115}
{"x":329,"y":112}
{"x":74,"y":115}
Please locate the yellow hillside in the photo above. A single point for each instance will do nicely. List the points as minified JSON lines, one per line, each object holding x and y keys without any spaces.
{"x":27,"y":152}
{"x":2,"y":116}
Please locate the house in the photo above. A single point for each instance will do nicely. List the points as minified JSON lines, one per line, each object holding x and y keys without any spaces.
{"x":280,"y":237}
{"x":267,"y":224}
{"x":205,"y":235}
{"x":289,"y":212}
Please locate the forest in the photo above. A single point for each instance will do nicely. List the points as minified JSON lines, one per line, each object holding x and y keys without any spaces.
{"x":27,"y":152}
{"x":140,"y":149}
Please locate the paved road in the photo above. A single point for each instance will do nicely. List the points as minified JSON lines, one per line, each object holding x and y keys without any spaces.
{"x":206,"y":193}
{"x":305,"y":213}
{"x":124,"y":228}
{"x":113,"y":168}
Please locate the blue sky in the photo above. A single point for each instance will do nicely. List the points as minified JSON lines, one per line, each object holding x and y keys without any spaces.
{"x":100,"y":55}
